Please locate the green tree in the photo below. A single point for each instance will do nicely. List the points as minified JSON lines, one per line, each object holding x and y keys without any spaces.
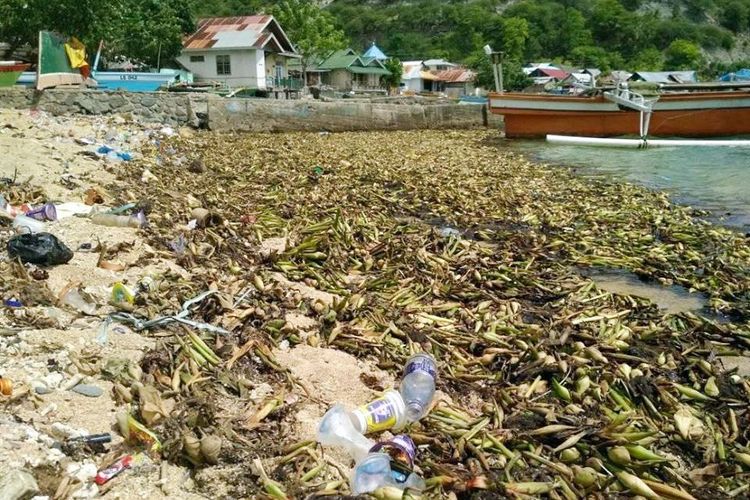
{"x":132,"y":28}
{"x":682,"y":54}
{"x":312,"y":30}
{"x":394,"y":79}
{"x":596,"y":57}
{"x":650,"y":59}
{"x":735,"y":16}
{"x":515,"y":34}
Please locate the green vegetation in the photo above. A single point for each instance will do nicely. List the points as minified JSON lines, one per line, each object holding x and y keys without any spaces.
{"x":142,"y":30}
{"x":312,"y":30}
{"x":608,"y":34}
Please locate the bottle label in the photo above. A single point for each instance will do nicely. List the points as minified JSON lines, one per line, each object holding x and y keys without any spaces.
{"x":380,"y":414}
{"x":423,"y":364}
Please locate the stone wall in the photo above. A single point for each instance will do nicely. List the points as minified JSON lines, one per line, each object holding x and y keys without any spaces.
{"x":285,"y":116}
{"x":162,"y":107}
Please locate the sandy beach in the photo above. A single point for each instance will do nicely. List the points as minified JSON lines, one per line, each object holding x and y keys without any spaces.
{"x":329,"y":259}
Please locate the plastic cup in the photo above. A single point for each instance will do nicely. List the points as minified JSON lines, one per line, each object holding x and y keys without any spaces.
{"x":43,"y":213}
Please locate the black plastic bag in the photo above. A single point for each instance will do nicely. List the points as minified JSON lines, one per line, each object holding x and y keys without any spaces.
{"x":43,"y":249}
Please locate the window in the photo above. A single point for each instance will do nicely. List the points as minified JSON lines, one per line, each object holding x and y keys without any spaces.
{"x":223,"y":66}
{"x":197,"y":58}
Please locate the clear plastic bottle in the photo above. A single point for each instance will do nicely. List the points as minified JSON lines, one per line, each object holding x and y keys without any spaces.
{"x":336,"y":428}
{"x":135,"y":221}
{"x":418,"y":385}
{"x":377,"y":470}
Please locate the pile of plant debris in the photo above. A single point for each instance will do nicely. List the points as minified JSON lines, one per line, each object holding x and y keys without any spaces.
{"x":450,"y":243}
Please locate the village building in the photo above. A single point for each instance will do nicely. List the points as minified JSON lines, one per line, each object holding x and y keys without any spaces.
{"x":543,"y":75}
{"x":250,"y":51}
{"x":347,"y":71}
{"x":374,"y":52}
{"x":436,"y":76}
{"x":664,"y":76}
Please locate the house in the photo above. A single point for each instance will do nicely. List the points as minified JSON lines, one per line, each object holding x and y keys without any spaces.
{"x":249,"y":51}
{"x":543,"y":75}
{"x":348,"y":71}
{"x":529,"y":68}
{"x":438,"y":65}
{"x":436,"y":75}
{"x":456,"y":82}
{"x":664,"y":76}
{"x":577,"y":81}
{"x":375,"y":53}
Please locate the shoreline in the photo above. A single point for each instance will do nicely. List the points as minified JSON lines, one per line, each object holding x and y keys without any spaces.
{"x":679,"y":195}
{"x":326,"y":283}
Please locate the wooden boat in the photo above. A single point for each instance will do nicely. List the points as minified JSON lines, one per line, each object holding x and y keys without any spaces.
{"x":681,"y":110}
{"x":10,"y":71}
{"x":129,"y":81}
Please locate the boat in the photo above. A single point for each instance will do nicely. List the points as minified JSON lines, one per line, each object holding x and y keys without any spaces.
{"x":54,"y":69}
{"x":675,"y":110}
{"x":10,"y":71}
{"x":123,"y":80}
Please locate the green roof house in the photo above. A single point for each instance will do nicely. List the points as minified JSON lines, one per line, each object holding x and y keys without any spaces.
{"x":346,"y":70}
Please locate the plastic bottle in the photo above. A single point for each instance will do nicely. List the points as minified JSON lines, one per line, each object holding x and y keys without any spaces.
{"x":418,"y":385}
{"x":386,"y":412}
{"x":23,"y":224}
{"x":136,"y":221}
{"x":377,"y":470}
{"x":337,"y":429}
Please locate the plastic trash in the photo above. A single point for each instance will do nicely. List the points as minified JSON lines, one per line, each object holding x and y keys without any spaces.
{"x":13,"y":303}
{"x":65,"y":210}
{"x":43,"y":213}
{"x":378,"y":470}
{"x":135,"y":221}
{"x":6,"y":386}
{"x":121,"y":293}
{"x":385,"y":412}
{"x":123,"y":463}
{"x":74,"y":299}
{"x":418,"y":385}
{"x":43,"y":249}
{"x":337,"y":429}
{"x":401,"y":448}
{"x":23,"y":225}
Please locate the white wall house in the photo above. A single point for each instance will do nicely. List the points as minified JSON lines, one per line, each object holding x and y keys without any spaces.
{"x":250,"y":51}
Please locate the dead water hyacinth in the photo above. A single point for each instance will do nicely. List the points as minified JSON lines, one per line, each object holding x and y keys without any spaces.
{"x":448,"y":242}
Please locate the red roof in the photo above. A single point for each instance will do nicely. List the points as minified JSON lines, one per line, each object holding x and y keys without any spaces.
{"x":237,"y":32}
{"x":551,"y":72}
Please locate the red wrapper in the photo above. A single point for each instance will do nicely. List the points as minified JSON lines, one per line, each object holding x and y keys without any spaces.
{"x":105,"y":475}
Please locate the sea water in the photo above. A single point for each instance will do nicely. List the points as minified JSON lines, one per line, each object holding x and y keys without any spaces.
{"x":711,"y":178}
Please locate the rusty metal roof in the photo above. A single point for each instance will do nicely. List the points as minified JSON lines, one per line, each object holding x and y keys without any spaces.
{"x":460,"y":75}
{"x":237,"y":33}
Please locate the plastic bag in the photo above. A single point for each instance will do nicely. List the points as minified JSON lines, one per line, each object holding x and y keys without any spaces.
{"x":43,"y":249}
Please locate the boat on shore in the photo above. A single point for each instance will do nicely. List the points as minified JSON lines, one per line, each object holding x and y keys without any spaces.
{"x":123,"y":80}
{"x":676,"y":110}
{"x":10,"y":71}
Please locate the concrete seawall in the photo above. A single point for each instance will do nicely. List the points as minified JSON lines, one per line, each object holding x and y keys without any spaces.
{"x":286,"y":116}
{"x":257,"y":115}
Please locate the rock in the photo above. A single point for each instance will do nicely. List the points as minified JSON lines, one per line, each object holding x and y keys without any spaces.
{"x":741,"y":363}
{"x":42,"y":390}
{"x":91,"y":391}
{"x":18,"y":485}
{"x":148,"y":101}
